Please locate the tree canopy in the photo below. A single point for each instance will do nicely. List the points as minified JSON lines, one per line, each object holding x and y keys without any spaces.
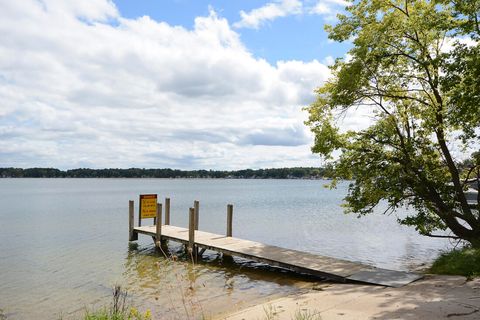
{"x":415,"y":68}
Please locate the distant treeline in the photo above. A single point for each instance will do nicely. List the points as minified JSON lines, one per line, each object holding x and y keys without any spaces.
{"x":278,"y":173}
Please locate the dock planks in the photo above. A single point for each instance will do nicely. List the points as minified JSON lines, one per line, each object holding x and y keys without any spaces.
{"x":298,"y":261}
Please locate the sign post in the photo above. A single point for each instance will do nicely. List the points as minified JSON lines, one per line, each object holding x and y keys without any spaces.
{"x":148,"y":207}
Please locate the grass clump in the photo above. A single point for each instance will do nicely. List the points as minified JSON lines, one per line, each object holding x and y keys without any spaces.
{"x":271,"y":313}
{"x":464,"y":261}
{"x":306,"y":315}
{"x":106,"y":314}
{"x":118,"y":310}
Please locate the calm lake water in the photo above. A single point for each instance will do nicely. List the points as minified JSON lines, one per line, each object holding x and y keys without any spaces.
{"x":64,"y":243}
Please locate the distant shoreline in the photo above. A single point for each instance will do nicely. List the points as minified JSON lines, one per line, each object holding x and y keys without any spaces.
{"x":176,"y":178}
{"x":307,"y":173}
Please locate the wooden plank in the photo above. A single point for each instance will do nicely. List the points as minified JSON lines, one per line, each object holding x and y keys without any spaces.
{"x":264,"y":253}
{"x":303,"y":262}
{"x":385,"y":277}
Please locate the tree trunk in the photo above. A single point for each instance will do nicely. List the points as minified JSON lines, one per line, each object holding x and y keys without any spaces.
{"x":470,"y":235}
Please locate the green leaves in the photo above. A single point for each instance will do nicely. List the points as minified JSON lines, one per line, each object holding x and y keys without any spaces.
{"x":461,"y":84}
{"x":422,"y":92}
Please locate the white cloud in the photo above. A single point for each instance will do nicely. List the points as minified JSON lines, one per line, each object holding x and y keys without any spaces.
{"x":321,"y":8}
{"x":328,"y":60}
{"x":328,"y":8}
{"x":269,"y":12}
{"x":77,"y":90}
{"x":255,"y":18}
{"x":342,"y":3}
{"x":449,"y":43}
{"x":87,"y":10}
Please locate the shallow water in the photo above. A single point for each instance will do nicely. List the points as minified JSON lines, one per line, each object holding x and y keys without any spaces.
{"x":63,"y":243}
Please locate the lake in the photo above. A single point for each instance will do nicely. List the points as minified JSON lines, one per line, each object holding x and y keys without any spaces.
{"x":64,"y":243}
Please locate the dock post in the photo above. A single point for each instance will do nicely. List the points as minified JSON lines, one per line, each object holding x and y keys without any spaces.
{"x":191,"y":233}
{"x":155,"y":218}
{"x":167,"y":211}
{"x":158,"y":238}
{"x":229,"y":219}
{"x":139,"y":213}
{"x":196,"y":208}
{"x":132,"y":235}
{"x":226,"y":257}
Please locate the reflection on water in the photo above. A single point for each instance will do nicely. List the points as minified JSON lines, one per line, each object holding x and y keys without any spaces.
{"x":63,"y":243}
{"x":175,"y":288}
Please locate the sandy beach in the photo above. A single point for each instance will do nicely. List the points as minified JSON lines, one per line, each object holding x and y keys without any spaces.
{"x":433,"y":297}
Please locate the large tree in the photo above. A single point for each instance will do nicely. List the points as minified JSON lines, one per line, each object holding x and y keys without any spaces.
{"x":415,"y":68}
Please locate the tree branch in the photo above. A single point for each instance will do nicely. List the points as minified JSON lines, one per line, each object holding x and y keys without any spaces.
{"x":468,"y":175}
{"x":400,"y":9}
{"x":441,"y":236}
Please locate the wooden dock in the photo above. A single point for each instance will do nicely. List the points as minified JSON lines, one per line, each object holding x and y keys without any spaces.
{"x":298,"y":261}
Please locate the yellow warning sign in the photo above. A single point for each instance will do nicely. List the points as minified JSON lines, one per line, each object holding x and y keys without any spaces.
{"x":148,"y":206}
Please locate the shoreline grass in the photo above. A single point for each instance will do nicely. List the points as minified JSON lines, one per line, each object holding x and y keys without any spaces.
{"x":118,"y":310}
{"x":464,"y":262}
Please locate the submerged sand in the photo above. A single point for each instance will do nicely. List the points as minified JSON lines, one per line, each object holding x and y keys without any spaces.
{"x":433,"y":297}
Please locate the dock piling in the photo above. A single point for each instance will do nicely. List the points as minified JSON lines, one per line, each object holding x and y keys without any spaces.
{"x":229,"y":219}
{"x":167,"y":211}
{"x":158,"y":238}
{"x":191,"y":232}
{"x":132,"y":235}
{"x":196,"y":208}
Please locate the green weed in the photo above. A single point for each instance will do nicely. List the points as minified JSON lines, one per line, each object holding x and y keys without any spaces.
{"x":465,"y":262}
{"x":118,"y":310}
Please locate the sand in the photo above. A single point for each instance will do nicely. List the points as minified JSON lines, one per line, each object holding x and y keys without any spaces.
{"x":433,"y":297}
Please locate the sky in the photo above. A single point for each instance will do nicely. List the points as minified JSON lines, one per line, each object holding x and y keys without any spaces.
{"x":162,"y":83}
